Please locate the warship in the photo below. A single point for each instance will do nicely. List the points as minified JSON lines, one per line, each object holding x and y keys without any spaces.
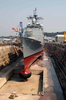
{"x":31,"y":42}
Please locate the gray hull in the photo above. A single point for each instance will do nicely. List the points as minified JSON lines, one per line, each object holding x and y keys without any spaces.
{"x":31,"y":47}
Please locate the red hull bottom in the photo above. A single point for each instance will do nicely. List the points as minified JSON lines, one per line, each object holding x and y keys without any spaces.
{"x":29,"y":60}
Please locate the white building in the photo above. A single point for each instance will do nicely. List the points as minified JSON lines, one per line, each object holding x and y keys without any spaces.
{"x":59,"y":38}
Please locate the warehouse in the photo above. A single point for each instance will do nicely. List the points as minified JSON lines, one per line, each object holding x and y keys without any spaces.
{"x":59,"y":38}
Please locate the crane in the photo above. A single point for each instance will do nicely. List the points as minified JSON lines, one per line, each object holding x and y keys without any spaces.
{"x":20,"y":30}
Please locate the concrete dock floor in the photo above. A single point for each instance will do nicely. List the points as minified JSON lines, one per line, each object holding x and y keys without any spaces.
{"x":15,"y":84}
{"x":51,"y":87}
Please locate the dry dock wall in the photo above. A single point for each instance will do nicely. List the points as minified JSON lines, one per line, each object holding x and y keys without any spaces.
{"x":8,"y":54}
{"x":58,"y":52}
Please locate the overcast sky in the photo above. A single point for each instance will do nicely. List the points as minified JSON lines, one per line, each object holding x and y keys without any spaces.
{"x":14,"y":11}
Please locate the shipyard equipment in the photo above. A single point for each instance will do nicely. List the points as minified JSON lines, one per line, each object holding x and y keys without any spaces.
{"x":64,"y":37}
{"x":20,"y":30}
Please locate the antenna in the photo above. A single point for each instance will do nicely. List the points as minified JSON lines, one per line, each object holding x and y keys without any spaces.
{"x":34,"y":11}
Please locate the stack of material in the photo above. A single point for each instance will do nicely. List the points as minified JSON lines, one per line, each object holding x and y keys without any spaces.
{"x":9,"y":54}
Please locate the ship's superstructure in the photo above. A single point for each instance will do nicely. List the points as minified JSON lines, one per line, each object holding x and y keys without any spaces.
{"x":35,"y":29}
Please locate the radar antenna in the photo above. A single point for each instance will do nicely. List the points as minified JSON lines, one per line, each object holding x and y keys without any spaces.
{"x":34,"y":17}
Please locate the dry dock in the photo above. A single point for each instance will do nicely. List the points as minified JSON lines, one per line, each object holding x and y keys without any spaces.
{"x":30,"y":90}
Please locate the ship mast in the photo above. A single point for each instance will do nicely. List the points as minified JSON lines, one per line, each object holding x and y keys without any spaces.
{"x":34,"y":18}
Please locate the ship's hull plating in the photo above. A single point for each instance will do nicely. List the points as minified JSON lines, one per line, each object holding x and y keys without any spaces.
{"x":32,"y":49}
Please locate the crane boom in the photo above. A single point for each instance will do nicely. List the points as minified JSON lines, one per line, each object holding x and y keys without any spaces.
{"x":16,"y":30}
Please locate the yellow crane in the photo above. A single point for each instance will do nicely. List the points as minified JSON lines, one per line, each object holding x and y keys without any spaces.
{"x":64,"y":36}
